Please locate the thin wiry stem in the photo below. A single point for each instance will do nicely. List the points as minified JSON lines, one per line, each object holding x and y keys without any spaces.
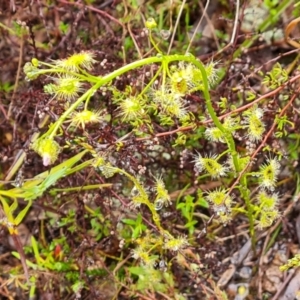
{"x":236,"y":21}
{"x":198,"y":25}
{"x":235,"y":27}
{"x":176,"y":25}
{"x":12,"y":100}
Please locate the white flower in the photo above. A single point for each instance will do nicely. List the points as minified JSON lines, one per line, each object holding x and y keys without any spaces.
{"x":210,"y":165}
{"x":268,"y":174}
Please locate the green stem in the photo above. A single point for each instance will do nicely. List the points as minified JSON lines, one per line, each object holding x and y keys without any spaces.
{"x":111,"y":76}
{"x":164,"y":60}
{"x":249,"y":208}
{"x":150,"y":205}
{"x":8,"y":29}
{"x":153,"y":43}
{"x":150,"y":82}
{"x":52,"y":69}
{"x":53,"y":129}
{"x":211,"y":111}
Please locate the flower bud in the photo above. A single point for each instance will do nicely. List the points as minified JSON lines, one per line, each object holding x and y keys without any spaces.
{"x":150,"y":24}
{"x":48,"y":149}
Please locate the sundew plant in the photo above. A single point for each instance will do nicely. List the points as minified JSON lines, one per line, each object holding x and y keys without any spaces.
{"x":117,"y":132}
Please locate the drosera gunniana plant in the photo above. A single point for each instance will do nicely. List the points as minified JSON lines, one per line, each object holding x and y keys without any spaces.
{"x":162,"y":101}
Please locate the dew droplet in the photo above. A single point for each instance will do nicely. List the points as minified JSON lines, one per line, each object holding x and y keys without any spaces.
{"x":165,"y":34}
{"x":158,"y":204}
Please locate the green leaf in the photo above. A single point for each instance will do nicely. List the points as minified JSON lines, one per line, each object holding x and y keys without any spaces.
{"x":22,"y":213}
{"x":180,"y":205}
{"x":190,"y":224}
{"x":10,"y":209}
{"x":203,"y":203}
{"x":28,"y":262}
{"x":6,"y":209}
{"x":35,"y":248}
{"x":250,"y":96}
{"x":136,"y":270}
{"x":14,"y":206}
{"x":129,"y":222}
